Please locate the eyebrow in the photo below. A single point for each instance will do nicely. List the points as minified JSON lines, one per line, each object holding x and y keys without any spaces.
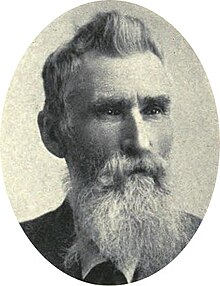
{"x":159,"y":100}
{"x":111,"y":101}
{"x":162,"y":100}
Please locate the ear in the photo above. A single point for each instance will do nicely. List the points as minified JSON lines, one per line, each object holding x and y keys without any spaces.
{"x":50,"y":135}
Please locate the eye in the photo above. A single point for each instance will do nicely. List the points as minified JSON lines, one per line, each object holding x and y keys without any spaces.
{"x":155,"y":111}
{"x":108,"y":111}
{"x":112,"y":111}
{"x":152,"y":110}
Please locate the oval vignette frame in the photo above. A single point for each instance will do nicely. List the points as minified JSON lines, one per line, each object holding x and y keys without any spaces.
{"x":154,"y":277}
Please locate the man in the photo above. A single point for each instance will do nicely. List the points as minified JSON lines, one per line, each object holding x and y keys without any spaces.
{"x":108,"y":113}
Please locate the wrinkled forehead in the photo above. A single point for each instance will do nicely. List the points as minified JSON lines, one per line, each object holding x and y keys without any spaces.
{"x":141,"y":73}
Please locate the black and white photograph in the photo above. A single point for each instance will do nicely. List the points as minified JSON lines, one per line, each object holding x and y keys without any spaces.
{"x":110,"y":145}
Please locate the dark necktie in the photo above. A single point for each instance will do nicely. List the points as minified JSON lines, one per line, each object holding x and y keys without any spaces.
{"x":105,"y":274}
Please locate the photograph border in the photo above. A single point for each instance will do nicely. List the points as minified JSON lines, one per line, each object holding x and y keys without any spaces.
{"x":198,"y":263}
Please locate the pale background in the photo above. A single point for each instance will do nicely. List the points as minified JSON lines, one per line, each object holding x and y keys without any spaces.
{"x":33,"y":177}
{"x":198,"y":261}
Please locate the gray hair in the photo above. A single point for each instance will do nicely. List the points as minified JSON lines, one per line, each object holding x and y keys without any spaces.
{"x":110,"y":34}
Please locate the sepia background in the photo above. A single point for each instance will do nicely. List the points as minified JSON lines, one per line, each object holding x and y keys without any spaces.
{"x":33,"y":177}
{"x":22,"y":21}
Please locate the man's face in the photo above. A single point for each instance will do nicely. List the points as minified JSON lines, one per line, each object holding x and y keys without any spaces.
{"x":117,"y":105}
{"x":118,"y":138}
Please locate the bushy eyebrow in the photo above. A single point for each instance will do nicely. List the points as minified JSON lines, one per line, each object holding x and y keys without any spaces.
{"x":162,"y":101}
{"x":112,"y":101}
{"x":159,"y":100}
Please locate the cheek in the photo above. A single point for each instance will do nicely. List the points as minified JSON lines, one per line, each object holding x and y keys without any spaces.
{"x":165,"y":145}
{"x":99,"y":139}
{"x":163,"y":140}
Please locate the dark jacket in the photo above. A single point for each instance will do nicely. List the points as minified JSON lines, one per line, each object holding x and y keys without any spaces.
{"x":52,"y":234}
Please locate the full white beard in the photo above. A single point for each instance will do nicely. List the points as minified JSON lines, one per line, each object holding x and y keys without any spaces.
{"x":127,"y":217}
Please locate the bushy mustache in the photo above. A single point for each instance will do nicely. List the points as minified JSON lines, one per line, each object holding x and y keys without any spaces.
{"x":121,"y":167}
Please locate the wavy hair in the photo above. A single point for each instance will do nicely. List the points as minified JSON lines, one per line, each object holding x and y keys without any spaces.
{"x":111,"y":34}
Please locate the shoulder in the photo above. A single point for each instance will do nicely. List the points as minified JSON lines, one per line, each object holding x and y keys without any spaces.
{"x":57,"y":220}
{"x":191,"y":223}
{"x":52,"y":232}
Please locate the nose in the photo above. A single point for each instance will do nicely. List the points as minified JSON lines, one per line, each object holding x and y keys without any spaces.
{"x":135,"y":134}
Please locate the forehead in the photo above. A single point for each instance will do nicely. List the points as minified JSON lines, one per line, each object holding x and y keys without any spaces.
{"x":140,"y":74}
